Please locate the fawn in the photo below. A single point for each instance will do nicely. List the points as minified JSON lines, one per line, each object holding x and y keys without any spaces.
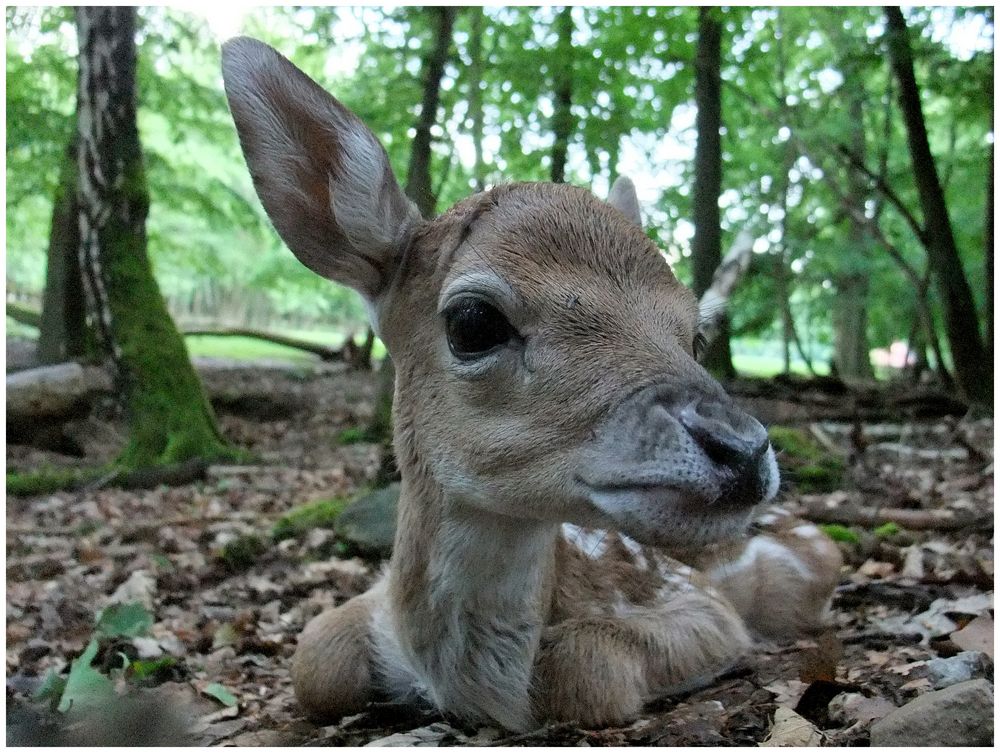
{"x":559,"y":445}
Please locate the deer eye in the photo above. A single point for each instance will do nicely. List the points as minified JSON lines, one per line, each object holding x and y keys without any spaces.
{"x":475,"y":327}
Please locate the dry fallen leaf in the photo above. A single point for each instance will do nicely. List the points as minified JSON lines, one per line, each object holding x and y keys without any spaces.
{"x":791,"y":731}
{"x":976,"y":636}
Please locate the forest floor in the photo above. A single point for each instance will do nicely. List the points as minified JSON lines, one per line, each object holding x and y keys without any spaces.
{"x":223,"y":599}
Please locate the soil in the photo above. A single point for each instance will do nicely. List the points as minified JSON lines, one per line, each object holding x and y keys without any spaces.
{"x":227,"y":600}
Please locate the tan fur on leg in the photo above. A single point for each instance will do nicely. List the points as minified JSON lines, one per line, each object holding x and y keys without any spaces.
{"x":601,"y":670}
{"x":781,"y":580}
{"x":331,"y":669}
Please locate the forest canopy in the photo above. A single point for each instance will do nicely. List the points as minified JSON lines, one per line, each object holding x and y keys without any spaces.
{"x":814,"y":153}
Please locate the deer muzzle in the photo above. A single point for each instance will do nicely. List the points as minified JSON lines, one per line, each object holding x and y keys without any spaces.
{"x":679,"y":459}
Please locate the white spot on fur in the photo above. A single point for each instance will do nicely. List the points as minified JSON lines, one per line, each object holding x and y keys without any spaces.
{"x":806,"y":531}
{"x":592,"y":542}
{"x":635,"y":549}
{"x":762,"y":547}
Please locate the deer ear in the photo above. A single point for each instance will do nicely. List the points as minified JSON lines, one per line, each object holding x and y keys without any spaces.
{"x":321,"y":174}
{"x":622,"y":197}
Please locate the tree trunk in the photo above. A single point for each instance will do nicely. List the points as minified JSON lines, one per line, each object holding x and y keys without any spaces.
{"x":62,"y":330}
{"x":706,"y":247}
{"x":988,"y":249}
{"x":850,"y":305}
{"x":418,"y":174}
{"x":476,"y":94}
{"x":973,"y":371}
{"x":170,"y":419}
{"x":418,"y":188}
{"x":562,"y":91}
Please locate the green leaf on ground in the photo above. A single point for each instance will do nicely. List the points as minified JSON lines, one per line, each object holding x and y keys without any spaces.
{"x":124,"y":620}
{"x":85,"y":686}
{"x":220,"y":693}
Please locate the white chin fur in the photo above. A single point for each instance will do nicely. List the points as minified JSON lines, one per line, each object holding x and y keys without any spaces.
{"x":664,"y":517}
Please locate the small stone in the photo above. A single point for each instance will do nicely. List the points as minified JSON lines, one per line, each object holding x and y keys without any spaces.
{"x":961,"y":667}
{"x":369,"y":522}
{"x":959,"y":715}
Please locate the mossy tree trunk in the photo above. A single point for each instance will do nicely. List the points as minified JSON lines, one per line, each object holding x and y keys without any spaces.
{"x":170,"y":418}
{"x":62,"y":329}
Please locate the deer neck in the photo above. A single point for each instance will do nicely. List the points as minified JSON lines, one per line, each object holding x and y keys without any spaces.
{"x":469,"y":593}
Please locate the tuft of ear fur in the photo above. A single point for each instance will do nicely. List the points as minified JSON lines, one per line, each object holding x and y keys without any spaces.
{"x":321,"y":174}
{"x":623,"y":198}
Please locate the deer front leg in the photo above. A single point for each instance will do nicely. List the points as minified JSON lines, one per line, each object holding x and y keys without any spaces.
{"x":332,"y":666}
{"x":602,"y":670}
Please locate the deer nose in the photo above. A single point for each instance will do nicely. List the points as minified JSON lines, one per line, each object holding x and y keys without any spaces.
{"x":734,"y":440}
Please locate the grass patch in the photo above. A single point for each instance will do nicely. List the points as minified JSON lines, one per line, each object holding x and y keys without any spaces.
{"x":808,"y":465}
{"x":244,"y":349}
{"x":322,"y":513}
{"x":242,"y":553}
{"x":49,"y":480}
{"x":838,"y":532}
{"x":352,"y":435}
{"x":887,"y":530}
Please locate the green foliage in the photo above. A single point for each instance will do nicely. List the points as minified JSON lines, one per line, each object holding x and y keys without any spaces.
{"x":123,"y":621}
{"x":809,"y":466}
{"x":887,"y":530}
{"x":322,"y":513}
{"x":789,"y":76}
{"x":838,"y":532}
{"x":47,"y":480}
{"x":220,"y":693}
{"x":353,"y":435}
{"x":85,"y":686}
{"x":242,"y":553}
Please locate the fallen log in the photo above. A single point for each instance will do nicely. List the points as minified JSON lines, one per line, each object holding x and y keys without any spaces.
{"x":24,"y":314}
{"x":872,"y":517}
{"x":325,"y":352}
{"x":57,"y":391}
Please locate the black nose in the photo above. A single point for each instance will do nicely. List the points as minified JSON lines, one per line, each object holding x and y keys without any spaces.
{"x":733,"y":440}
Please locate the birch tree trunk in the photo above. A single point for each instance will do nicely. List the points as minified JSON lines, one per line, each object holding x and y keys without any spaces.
{"x":170,"y":419}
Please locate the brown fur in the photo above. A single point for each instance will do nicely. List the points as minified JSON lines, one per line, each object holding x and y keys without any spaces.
{"x":592,"y":414}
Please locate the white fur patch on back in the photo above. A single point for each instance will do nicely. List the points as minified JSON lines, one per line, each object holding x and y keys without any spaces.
{"x":591,"y":541}
{"x":806,"y":531}
{"x":762,"y":547}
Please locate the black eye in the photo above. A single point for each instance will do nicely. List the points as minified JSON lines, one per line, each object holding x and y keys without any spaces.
{"x":698,"y":347}
{"x":475,"y":327}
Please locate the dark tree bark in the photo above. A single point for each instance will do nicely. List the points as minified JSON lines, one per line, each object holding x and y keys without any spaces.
{"x":562,"y":91}
{"x":62,"y":330}
{"x":706,"y":247}
{"x":418,"y":173}
{"x":475,"y":93}
{"x":973,"y":370}
{"x":989,"y":249}
{"x":170,"y":419}
{"x":418,"y":188}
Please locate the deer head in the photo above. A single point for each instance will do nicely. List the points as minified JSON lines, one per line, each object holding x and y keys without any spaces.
{"x":543,"y":347}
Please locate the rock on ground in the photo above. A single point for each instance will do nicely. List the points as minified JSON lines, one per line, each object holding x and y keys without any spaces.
{"x":959,"y":715}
